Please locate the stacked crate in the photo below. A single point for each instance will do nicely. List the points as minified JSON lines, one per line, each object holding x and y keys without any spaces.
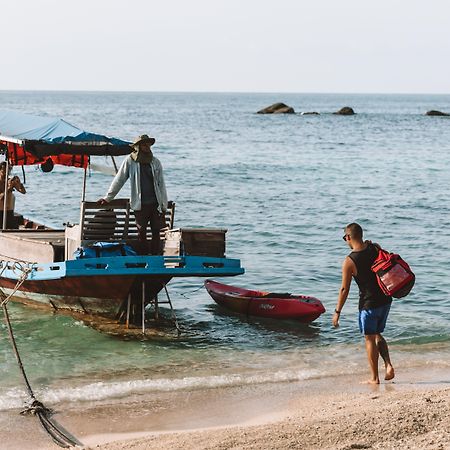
{"x":195,"y":242}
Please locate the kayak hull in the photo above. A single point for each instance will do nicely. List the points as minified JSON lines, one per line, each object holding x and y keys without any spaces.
{"x":263,"y":304}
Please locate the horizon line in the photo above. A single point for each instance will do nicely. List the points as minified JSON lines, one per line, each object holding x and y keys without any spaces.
{"x":117,"y":91}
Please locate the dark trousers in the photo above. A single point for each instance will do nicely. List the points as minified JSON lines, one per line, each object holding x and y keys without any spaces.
{"x":11,"y":221}
{"x":149,"y":214}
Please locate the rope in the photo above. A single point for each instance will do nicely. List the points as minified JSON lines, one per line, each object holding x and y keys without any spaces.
{"x":21,"y":280}
{"x":59,"y":435}
{"x":189,"y":293}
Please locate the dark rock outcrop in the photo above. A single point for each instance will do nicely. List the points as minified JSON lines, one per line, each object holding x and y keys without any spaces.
{"x":345,"y":111}
{"x":310,"y":113}
{"x":277,"y":108}
{"x":436,"y":113}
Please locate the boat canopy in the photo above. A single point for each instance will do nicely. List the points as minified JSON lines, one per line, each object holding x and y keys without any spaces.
{"x":28,"y":139}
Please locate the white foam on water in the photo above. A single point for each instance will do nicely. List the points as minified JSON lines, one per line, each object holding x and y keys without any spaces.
{"x":16,"y":398}
{"x":12,"y":399}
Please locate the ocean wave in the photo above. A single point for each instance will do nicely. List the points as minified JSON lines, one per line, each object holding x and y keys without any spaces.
{"x":16,"y":398}
{"x":406,"y":357}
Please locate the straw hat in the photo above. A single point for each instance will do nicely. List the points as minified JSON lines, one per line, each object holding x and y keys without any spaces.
{"x":144,"y":138}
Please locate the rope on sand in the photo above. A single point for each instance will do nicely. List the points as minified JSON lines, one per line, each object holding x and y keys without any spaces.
{"x":59,"y":435}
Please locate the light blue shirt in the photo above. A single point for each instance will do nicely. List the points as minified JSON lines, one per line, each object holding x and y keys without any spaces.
{"x":132,"y":170}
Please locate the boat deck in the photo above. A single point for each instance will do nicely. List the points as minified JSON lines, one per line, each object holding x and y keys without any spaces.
{"x":44,"y":246}
{"x":50,"y":236}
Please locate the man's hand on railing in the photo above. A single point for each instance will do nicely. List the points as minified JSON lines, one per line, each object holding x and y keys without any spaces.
{"x":102,"y":201}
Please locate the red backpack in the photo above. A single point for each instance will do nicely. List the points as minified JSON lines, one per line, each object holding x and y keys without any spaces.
{"x":394,"y":275}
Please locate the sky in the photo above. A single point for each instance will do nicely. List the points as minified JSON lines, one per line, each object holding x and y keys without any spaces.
{"x":383,"y":46}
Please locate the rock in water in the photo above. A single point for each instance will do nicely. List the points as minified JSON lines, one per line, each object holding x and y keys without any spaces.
{"x":310,"y":113}
{"x":277,"y":108}
{"x":436,"y":113}
{"x":345,"y":111}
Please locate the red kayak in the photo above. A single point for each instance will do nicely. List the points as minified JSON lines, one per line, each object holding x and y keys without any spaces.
{"x":265,"y":304}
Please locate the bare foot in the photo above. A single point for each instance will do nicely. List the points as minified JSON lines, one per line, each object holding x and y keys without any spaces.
{"x":371,"y":381}
{"x":390,"y":373}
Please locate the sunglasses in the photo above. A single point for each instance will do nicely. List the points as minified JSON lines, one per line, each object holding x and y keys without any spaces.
{"x":345,"y":237}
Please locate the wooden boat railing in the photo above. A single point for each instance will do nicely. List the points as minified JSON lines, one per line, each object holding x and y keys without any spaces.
{"x":113,"y":222}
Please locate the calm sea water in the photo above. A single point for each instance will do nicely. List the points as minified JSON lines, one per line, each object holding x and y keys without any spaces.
{"x":284,"y":187}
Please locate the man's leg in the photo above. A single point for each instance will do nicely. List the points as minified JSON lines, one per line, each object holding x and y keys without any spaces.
{"x":384,"y":353}
{"x":372,"y":356}
{"x":156,"y":223}
{"x":142,"y":218}
{"x":383,"y":313}
{"x":368,"y":327}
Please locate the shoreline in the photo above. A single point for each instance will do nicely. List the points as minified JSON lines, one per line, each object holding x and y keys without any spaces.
{"x":332,"y":412}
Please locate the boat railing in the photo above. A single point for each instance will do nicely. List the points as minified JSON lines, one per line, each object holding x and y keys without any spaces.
{"x":114,"y":222}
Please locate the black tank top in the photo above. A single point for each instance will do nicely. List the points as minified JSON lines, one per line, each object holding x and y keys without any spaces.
{"x":370,"y":294}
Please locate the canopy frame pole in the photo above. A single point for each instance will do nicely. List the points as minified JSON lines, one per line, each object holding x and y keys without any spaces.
{"x":5,"y":196}
{"x":83,"y":194}
{"x":114,"y":163}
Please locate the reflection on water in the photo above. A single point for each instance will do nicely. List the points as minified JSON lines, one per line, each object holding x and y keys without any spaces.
{"x":280,"y":330}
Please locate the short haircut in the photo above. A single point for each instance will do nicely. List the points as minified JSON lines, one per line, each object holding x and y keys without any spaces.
{"x":354,"y":230}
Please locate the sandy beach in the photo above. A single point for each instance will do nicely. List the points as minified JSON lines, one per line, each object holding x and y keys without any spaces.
{"x":327,"y":413}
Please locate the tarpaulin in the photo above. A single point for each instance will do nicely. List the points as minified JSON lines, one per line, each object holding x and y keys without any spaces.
{"x":30,"y":139}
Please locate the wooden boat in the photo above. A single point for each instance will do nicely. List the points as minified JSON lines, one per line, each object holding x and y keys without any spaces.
{"x":265,"y":304}
{"x":37,"y":264}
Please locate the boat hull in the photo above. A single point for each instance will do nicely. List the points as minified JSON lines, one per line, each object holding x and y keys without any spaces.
{"x":261,"y":304}
{"x":95,"y":295}
{"x":116,"y":288}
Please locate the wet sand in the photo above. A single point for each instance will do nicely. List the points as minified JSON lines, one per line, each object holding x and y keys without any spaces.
{"x":413,"y":412}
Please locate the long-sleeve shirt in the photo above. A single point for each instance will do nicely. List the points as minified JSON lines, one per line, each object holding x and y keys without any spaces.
{"x":131,"y":169}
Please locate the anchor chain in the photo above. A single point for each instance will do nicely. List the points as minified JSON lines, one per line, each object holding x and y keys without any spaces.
{"x":58,"y":434}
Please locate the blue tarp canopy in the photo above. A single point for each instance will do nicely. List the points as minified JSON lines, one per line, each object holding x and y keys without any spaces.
{"x":44,"y":136}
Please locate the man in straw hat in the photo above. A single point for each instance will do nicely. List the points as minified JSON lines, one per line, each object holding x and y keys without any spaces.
{"x":148,"y":190}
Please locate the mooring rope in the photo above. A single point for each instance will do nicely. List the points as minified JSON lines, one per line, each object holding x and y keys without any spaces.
{"x":20,"y":281}
{"x":59,"y":435}
{"x":186,"y":296}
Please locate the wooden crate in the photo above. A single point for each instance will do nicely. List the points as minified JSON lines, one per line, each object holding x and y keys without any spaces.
{"x":195,"y":242}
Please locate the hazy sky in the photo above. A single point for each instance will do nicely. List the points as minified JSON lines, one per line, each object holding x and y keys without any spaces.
{"x":226,"y":45}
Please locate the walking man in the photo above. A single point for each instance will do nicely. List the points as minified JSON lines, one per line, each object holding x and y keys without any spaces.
{"x":148,"y":190}
{"x":374,"y":306}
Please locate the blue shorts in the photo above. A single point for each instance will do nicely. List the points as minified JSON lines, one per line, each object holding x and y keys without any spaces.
{"x":373,"y":321}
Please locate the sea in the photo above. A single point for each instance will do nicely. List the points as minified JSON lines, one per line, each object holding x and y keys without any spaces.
{"x":284,"y":186}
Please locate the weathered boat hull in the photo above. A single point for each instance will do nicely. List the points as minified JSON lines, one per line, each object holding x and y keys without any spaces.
{"x":113,"y":288}
{"x":105,"y":296}
{"x":262,"y":304}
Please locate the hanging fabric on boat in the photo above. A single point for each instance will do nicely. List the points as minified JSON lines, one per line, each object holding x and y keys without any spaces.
{"x":18,"y":156}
